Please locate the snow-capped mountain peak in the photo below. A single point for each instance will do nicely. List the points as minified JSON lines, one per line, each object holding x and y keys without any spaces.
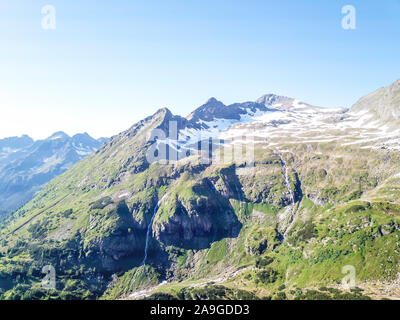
{"x":277,"y":120}
{"x":26,"y":165}
{"x":58,"y":135}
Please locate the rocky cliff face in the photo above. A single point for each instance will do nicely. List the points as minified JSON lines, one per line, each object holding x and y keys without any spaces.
{"x":118,"y":243}
{"x":194,"y":221}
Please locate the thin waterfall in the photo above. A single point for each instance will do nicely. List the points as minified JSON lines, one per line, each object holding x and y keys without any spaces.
{"x":149,"y":230}
{"x":291,"y":193}
{"x":146,"y":248}
{"x":148,"y":234}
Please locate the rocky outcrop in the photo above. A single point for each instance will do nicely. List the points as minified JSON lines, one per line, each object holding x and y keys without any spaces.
{"x":118,"y":246}
{"x":196,"y":223}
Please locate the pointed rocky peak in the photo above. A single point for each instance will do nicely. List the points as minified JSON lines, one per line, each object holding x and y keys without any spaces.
{"x":164,"y":112}
{"x":169,"y":121}
{"x":161,"y":119}
{"x":215,"y":109}
{"x":267,"y":99}
{"x":273,"y":100}
{"x":212,"y":102}
{"x":58,"y":135}
{"x":84,"y":140}
{"x":81,"y":136}
{"x":206,"y":111}
{"x":26,"y":137}
{"x":85,"y":134}
{"x":161,"y":113}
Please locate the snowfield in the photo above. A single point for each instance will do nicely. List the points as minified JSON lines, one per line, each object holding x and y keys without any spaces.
{"x":293,"y":122}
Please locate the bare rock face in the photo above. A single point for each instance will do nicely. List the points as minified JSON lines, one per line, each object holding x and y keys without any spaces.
{"x":115,"y":249}
{"x":120,"y":244}
{"x":214,"y":109}
{"x":196,"y":223}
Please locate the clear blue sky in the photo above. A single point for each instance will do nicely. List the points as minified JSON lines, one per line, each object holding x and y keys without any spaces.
{"x":108,"y":64}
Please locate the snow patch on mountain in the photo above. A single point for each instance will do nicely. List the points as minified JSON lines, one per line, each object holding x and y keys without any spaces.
{"x":26,"y":165}
{"x":287,"y":120}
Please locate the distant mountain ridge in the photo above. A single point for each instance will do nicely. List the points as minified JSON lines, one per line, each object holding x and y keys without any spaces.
{"x":26,"y":165}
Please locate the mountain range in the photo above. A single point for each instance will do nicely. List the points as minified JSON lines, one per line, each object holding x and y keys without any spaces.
{"x":177,"y":208}
{"x":27,"y":165}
